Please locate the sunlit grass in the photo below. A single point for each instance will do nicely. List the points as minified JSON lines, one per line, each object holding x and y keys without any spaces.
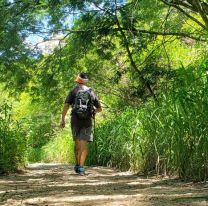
{"x":59,"y":149}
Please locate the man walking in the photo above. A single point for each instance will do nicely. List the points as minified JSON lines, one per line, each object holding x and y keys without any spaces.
{"x":85,"y":104}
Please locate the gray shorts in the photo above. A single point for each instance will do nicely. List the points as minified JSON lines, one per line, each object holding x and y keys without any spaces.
{"x":82,"y":133}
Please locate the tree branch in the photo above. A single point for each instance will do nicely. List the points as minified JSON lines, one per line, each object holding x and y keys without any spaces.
{"x":201,"y":12}
{"x":186,"y":4}
{"x":185,"y":13}
{"x":133,"y":64}
{"x":132,"y":30}
{"x":179,"y":34}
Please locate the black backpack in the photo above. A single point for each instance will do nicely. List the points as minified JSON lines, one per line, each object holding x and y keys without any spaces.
{"x":83,"y":106}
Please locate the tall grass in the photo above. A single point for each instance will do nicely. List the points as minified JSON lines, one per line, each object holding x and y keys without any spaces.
{"x":167,"y":137}
{"x":115,"y":142}
{"x":59,"y":149}
{"x":12,"y":141}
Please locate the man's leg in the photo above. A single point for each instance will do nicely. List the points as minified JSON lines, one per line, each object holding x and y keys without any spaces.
{"x":77,"y":151}
{"x":83,"y":155}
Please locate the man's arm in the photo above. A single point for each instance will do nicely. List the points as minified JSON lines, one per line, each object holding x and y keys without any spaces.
{"x":64,"y":112}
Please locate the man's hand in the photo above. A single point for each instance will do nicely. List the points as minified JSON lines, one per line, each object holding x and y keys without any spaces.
{"x":62,"y":124}
{"x":97,"y":110}
{"x":65,"y":109}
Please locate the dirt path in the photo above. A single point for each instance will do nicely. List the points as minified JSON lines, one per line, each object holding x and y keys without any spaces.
{"x":57,"y":184}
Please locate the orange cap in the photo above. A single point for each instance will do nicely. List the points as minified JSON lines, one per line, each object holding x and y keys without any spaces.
{"x":81,"y":80}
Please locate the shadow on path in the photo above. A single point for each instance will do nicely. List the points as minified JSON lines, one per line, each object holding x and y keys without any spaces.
{"x":57,"y":184}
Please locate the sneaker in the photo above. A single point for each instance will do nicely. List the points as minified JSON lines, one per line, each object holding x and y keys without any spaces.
{"x":81,"y":170}
{"x":76,"y":168}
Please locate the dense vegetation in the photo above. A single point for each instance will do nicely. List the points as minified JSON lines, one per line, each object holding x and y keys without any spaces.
{"x":168,"y":137}
{"x":146,"y":59}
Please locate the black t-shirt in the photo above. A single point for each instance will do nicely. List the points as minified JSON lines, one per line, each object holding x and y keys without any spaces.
{"x":70,"y":99}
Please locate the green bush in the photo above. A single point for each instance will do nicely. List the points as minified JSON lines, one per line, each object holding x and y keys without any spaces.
{"x":34,"y":155}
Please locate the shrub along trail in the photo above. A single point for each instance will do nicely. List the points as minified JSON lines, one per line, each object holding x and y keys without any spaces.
{"x":57,"y":184}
